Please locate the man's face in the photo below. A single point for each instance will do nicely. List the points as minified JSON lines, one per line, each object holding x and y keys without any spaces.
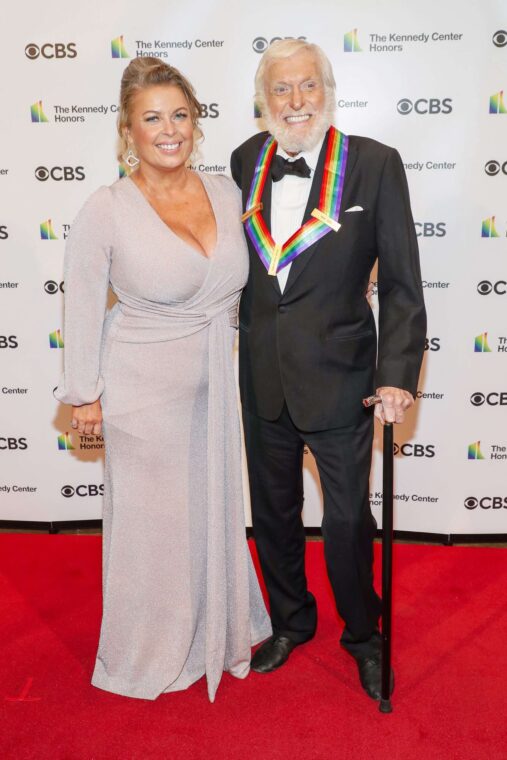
{"x":297,"y":112}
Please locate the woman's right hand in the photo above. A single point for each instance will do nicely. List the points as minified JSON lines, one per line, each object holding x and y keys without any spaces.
{"x":87,"y":419}
{"x":370,"y":290}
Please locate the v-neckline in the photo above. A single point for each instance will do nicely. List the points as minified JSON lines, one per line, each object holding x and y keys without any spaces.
{"x":170,"y":229}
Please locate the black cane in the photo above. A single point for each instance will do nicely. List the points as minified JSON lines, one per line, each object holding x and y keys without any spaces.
{"x":387,"y":566}
{"x":385,"y":705}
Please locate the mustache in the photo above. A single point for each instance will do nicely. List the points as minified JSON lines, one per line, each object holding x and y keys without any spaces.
{"x":317,"y":127}
{"x":306,"y":111}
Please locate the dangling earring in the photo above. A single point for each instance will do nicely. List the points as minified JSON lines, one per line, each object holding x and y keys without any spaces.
{"x":130,"y":158}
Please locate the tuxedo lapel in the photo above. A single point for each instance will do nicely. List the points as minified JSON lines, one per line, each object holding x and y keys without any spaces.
{"x":351,"y":162}
{"x":301,"y":261}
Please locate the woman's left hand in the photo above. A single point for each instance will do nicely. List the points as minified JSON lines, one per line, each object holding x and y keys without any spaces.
{"x":370,"y":291}
{"x":87,"y":419}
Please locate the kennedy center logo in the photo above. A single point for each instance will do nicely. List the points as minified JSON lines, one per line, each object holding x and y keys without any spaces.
{"x":55,"y":339}
{"x":351,"y":43}
{"x":481,"y":345}
{"x":488,"y":228}
{"x":46,"y":230}
{"x":64,"y":443}
{"x":474,"y":451}
{"x":118,"y":49}
{"x":37,"y":113}
{"x":496,"y":104}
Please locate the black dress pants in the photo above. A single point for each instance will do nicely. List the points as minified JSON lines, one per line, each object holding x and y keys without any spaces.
{"x":275,"y":465}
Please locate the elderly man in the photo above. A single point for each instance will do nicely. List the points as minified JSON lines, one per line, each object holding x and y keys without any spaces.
{"x":320,"y":209}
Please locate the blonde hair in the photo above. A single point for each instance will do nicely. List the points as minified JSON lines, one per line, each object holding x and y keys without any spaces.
{"x":145,"y":72}
{"x":284,"y":49}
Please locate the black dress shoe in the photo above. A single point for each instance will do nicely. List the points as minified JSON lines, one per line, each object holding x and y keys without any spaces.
{"x":370,"y":675}
{"x":272,"y":654}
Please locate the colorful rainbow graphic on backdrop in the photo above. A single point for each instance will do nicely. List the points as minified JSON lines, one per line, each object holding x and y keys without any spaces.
{"x":37,"y":113}
{"x":118,"y":48}
{"x":46,"y":230}
{"x":351,"y":43}
{"x":496,"y":104}
{"x":481,"y":345}
{"x":55,"y":339}
{"x":474,"y":451}
{"x":64,"y":443}
{"x":488,"y":228}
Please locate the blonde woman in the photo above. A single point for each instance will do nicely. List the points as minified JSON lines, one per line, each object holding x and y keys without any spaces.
{"x":181,"y":599}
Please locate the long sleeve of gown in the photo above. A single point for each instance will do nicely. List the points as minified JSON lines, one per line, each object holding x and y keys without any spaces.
{"x":86,"y":276}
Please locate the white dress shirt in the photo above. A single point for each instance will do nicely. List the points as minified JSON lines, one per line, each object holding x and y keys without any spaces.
{"x":289,"y":197}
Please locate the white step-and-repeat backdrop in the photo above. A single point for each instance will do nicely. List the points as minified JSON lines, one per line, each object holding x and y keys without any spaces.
{"x":428,"y":78}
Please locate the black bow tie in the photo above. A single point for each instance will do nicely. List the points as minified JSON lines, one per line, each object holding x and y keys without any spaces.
{"x":281,"y":166}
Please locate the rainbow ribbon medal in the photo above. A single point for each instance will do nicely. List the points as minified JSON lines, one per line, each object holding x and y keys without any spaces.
{"x":324,"y":218}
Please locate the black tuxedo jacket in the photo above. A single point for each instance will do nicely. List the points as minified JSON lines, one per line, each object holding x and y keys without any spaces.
{"x":315,"y":345}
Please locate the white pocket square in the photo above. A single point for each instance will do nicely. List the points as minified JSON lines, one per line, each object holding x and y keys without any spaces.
{"x":354,"y":208}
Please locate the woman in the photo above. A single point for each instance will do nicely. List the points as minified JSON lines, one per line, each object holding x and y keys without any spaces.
{"x":181,"y":598}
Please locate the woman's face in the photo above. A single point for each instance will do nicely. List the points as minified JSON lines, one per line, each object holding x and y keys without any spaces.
{"x":161,"y":132}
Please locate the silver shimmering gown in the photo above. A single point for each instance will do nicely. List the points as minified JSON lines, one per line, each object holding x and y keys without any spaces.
{"x":180,"y":595}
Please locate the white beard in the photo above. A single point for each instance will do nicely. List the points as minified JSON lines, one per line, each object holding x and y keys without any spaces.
{"x":293,"y":143}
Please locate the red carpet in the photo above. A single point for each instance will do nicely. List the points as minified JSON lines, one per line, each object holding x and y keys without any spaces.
{"x":450,"y":660}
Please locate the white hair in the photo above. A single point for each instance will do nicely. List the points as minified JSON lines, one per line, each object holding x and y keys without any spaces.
{"x":284,"y":49}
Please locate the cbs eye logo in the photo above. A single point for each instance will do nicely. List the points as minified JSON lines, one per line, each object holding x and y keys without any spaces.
{"x":85,"y":489}
{"x":500,"y":38}
{"x":495,"y":398}
{"x":424,"y":106}
{"x":485,"y":287}
{"x":492,"y":168}
{"x":51,"y":50}
{"x":51,"y":287}
{"x":486,"y":502}
{"x":59,"y":173}
{"x":41,"y":173}
{"x":404,"y":106}
{"x":261,"y":44}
